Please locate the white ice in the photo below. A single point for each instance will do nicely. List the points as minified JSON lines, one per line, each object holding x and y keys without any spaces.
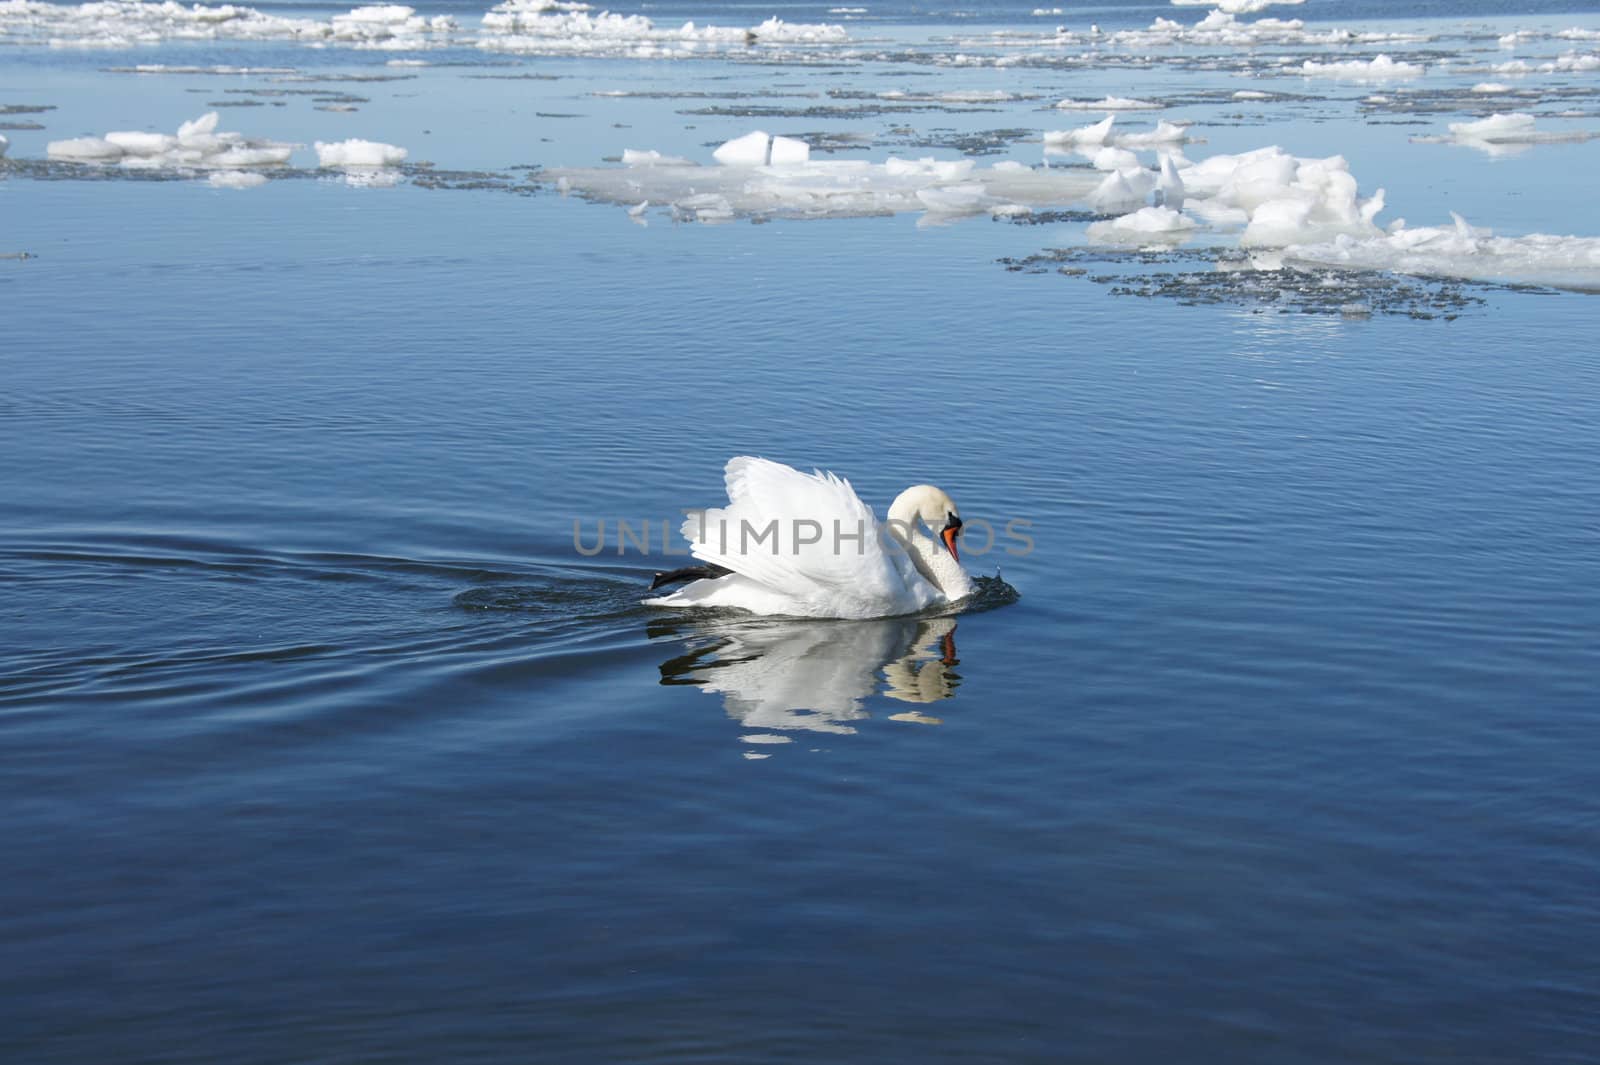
{"x":554,"y":27}
{"x":1148,"y":225}
{"x":1269,"y":197}
{"x":791,"y":184}
{"x":122,"y":23}
{"x":1506,"y":134}
{"x":358,"y":153}
{"x":1235,"y":7}
{"x":525,"y":26}
{"x":196,"y":145}
{"x":237,"y":179}
{"x":1101,"y":134}
{"x":1463,"y":251}
{"x":1109,"y":103}
{"x":1379,"y":68}
{"x":759,"y":148}
{"x":651,"y":157}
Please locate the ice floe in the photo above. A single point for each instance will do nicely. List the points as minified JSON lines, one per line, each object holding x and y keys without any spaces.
{"x":125,"y":23}
{"x":754,"y":178}
{"x":1148,"y":225}
{"x":237,"y":179}
{"x":1236,"y":7}
{"x":555,"y":27}
{"x":1268,"y":197}
{"x":1378,"y":68}
{"x":1109,"y":103}
{"x":354,"y":152}
{"x":1102,"y":134}
{"x":196,"y":145}
{"x":1506,"y":134}
{"x":526,"y":26}
{"x":365,"y":164}
{"x":1463,"y":251}
{"x":762,"y":149}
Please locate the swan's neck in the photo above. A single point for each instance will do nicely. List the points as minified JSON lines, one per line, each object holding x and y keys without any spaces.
{"x":928,"y":555}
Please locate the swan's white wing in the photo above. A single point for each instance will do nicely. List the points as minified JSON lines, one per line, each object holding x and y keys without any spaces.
{"x":846,"y":571}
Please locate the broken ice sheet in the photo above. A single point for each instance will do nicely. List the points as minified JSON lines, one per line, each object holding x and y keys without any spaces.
{"x":762,"y":176}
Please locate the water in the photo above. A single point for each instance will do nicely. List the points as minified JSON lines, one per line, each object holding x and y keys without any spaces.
{"x":323,"y":743}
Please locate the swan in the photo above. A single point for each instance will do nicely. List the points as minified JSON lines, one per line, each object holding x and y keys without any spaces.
{"x":805,"y":545}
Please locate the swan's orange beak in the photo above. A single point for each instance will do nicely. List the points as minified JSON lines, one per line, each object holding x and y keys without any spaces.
{"x":949,"y":533}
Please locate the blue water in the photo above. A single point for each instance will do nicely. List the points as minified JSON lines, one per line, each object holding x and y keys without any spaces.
{"x":322,"y":742}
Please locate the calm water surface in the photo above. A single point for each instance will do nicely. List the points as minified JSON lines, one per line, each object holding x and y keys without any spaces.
{"x":322,"y":743}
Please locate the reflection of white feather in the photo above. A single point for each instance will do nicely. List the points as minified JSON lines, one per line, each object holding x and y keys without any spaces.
{"x":923,"y":675}
{"x":816,"y":675}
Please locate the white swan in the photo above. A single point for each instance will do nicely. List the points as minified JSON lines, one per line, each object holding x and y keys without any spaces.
{"x":805,"y":545}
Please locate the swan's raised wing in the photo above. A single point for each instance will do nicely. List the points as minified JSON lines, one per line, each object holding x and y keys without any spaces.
{"x":808,"y":537}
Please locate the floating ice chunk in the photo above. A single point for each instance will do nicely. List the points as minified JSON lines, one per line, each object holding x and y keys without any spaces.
{"x":1464,"y":252}
{"x":1235,"y":7}
{"x":929,"y":168}
{"x":1144,"y":226}
{"x":236,"y":179}
{"x":1164,"y":133}
{"x":1086,"y":139}
{"x":752,"y":149}
{"x":1276,"y":223}
{"x":976,"y":96}
{"x":205,"y":125}
{"x":1251,"y":94}
{"x":4,"y":144}
{"x":1169,"y":186}
{"x":354,"y":152}
{"x":1116,"y":194}
{"x":1109,"y":103}
{"x":832,"y":189}
{"x":1380,"y":68}
{"x":134,"y":143}
{"x":196,"y":145}
{"x":788,"y":151}
{"x":84,"y":150}
{"x":1491,"y":88}
{"x":1279,"y":198}
{"x":241,"y":155}
{"x":1506,"y":134}
{"x":636,"y":157}
{"x":955,"y":199}
{"x":1514,"y":126}
{"x":1572,"y":62}
{"x":1114,"y":159}
{"x":708,"y":207}
{"x":551,"y":27}
{"x":1099,"y":133}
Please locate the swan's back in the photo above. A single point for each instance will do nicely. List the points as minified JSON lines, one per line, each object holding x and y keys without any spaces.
{"x":843,"y":571}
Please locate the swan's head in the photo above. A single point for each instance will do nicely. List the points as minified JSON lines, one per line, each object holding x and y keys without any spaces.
{"x":932,"y":507}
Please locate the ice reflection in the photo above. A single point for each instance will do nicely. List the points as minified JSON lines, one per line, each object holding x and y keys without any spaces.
{"x":812,"y":676}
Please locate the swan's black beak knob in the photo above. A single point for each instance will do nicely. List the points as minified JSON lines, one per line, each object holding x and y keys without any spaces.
{"x":948,"y":534}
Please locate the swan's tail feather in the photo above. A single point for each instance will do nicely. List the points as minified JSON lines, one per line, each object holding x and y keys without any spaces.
{"x":710,"y":571}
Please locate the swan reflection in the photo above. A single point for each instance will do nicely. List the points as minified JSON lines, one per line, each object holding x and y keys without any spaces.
{"x":813,"y":676}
